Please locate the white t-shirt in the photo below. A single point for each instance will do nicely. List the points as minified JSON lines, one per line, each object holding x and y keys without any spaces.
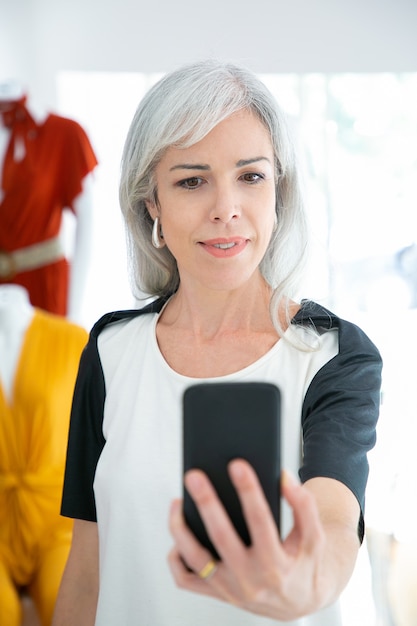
{"x":125,"y":439}
{"x":139,"y":474}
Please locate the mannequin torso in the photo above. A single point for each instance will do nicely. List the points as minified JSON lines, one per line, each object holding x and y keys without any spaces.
{"x":39,"y":356}
{"x":81,"y":205}
{"x":16,"y":313}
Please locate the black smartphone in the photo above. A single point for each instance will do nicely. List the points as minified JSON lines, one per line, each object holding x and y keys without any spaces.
{"x":224,"y":421}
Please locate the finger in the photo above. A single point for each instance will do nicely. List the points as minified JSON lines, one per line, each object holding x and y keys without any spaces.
{"x":186,"y":579}
{"x":220,"y":586}
{"x":305,"y":512}
{"x":194,"y":555}
{"x":188,"y":552}
{"x":261,"y":524}
{"x":215,"y":518}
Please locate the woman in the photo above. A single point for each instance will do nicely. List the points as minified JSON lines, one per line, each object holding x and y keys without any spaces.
{"x":211,"y":200}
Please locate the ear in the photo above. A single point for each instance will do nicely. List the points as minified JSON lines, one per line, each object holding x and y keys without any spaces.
{"x":153,"y":209}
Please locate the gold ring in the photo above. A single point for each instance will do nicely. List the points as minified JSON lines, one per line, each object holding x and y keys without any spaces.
{"x":208,"y":570}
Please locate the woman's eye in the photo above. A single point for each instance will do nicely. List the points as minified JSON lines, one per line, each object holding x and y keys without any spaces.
{"x":252,"y":177}
{"x":190,"y":183}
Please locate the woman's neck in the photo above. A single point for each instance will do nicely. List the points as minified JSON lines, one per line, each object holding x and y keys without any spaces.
{"x":212,"y":313}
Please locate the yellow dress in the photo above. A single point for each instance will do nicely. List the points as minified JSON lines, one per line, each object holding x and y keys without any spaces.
{"x":34,"y":538}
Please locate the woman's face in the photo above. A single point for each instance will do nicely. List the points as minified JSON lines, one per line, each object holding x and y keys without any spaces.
{"x":217,"y":203}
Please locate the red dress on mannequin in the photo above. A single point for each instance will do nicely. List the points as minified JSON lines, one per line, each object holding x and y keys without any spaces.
{"x":57,"y":156}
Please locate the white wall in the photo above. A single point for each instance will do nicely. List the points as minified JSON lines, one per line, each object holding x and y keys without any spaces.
{"x":38,"y":38}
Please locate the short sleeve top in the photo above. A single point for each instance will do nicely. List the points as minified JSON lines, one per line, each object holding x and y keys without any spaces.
{"x":338,"y":418}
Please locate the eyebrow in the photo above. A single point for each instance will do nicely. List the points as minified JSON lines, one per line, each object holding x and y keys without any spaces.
{"x":244,"y":162}
{"x":189,"y":166}
{"x":203,"y":167}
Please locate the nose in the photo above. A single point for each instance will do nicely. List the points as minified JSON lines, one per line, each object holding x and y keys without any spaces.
{"x":226,"y":206}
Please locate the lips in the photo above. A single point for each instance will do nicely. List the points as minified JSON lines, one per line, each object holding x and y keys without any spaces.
{"x":225,"y":242}
{"x":224,"y":247}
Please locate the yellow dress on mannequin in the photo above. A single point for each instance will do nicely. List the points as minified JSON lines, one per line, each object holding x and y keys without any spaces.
{"x":34,"y":538}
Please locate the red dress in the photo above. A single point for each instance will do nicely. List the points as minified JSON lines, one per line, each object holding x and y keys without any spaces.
{"x":36,"y":189}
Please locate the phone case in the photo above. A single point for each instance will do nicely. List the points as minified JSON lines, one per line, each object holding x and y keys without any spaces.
{"x":224,"y":421}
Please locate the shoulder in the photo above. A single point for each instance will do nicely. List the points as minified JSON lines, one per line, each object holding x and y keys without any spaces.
{"x":314,"y":315}
{"x":123,"y":316}
{"x":349,"y":382}
{"x":317,"y":318}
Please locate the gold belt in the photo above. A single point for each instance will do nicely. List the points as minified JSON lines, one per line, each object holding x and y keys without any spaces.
{"x":30,"y":258}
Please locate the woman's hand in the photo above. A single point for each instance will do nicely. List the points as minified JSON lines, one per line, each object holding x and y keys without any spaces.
{"x":280,"y":579}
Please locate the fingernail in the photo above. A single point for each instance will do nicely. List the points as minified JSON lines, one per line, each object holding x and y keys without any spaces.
{"x":236,"y":469}
{"x":193,"y":481}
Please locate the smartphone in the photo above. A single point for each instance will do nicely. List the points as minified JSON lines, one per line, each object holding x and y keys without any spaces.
{"x":225,"y":421}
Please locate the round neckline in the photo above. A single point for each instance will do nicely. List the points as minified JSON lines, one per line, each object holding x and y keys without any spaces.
{"x":249,"y":369}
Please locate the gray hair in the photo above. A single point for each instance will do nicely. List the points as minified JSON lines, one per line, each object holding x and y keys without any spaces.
{"x":180,"y":110}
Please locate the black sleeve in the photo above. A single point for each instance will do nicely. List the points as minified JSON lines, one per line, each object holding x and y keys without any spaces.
{"x":340,"y":413}
{"x":85,"y":440}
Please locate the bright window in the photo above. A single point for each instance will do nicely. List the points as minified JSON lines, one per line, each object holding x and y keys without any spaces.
{"x":358,"y":142}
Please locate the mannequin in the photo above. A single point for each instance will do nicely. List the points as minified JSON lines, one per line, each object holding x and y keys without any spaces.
{"x":83,"y":209}
{"x":16,"y":313}
{"x":39,"y":356}
{"x":24,"y":153}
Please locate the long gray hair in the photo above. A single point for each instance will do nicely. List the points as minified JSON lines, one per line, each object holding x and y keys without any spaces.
{"x":180,"y":110}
